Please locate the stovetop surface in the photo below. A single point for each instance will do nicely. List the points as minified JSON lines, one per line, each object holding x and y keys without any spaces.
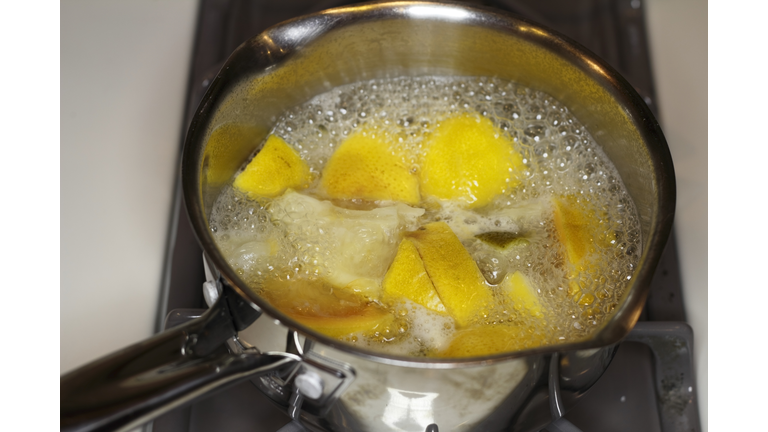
{"x":613,"y":29}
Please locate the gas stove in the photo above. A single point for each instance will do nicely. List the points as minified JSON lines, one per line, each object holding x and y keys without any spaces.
{"x":629,"y":397}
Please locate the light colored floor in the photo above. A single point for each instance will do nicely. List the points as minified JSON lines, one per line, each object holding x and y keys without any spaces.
{"x":124,"y":68}
{"x":678,"y":40}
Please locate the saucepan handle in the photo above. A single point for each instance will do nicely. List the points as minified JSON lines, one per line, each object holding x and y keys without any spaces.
{"x":135,"y":385}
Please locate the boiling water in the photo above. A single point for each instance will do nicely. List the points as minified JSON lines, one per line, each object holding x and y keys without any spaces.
{"x":281,"y":250}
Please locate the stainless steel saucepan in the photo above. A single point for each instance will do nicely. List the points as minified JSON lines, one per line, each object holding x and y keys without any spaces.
{"x":328,"y":384}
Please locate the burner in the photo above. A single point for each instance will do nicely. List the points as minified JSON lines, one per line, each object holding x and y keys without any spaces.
{"x":625,"y":398}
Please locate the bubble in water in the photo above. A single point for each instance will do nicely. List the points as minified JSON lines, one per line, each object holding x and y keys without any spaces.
{"x":493,"y":266}
{"x":507,"y":110}
{"x":562,"y":163}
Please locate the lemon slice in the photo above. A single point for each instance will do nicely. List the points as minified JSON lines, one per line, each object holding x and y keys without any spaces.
{"x":580,"y":228}
{"x":517,"y":289}
{"x":368,"y":320}
{"x":314,"y":303}
{"x":274,"y":169}
{"x":407,"y":278}
{"x":366,"y":166}
{"x":466,"y":159}
{"x":453,"y":272}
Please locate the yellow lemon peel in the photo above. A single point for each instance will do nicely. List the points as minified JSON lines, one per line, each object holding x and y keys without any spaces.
{"x":368,"y":320}
{"x":466,"y":159}
{"x":453,"y":272}
{"x":333,"y":312}
{"x":407,"y":278}
{"x":276,"y":168}
{"x":366,"y":166}
{"x":517,"y":288}
{"x":578,"y":227}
